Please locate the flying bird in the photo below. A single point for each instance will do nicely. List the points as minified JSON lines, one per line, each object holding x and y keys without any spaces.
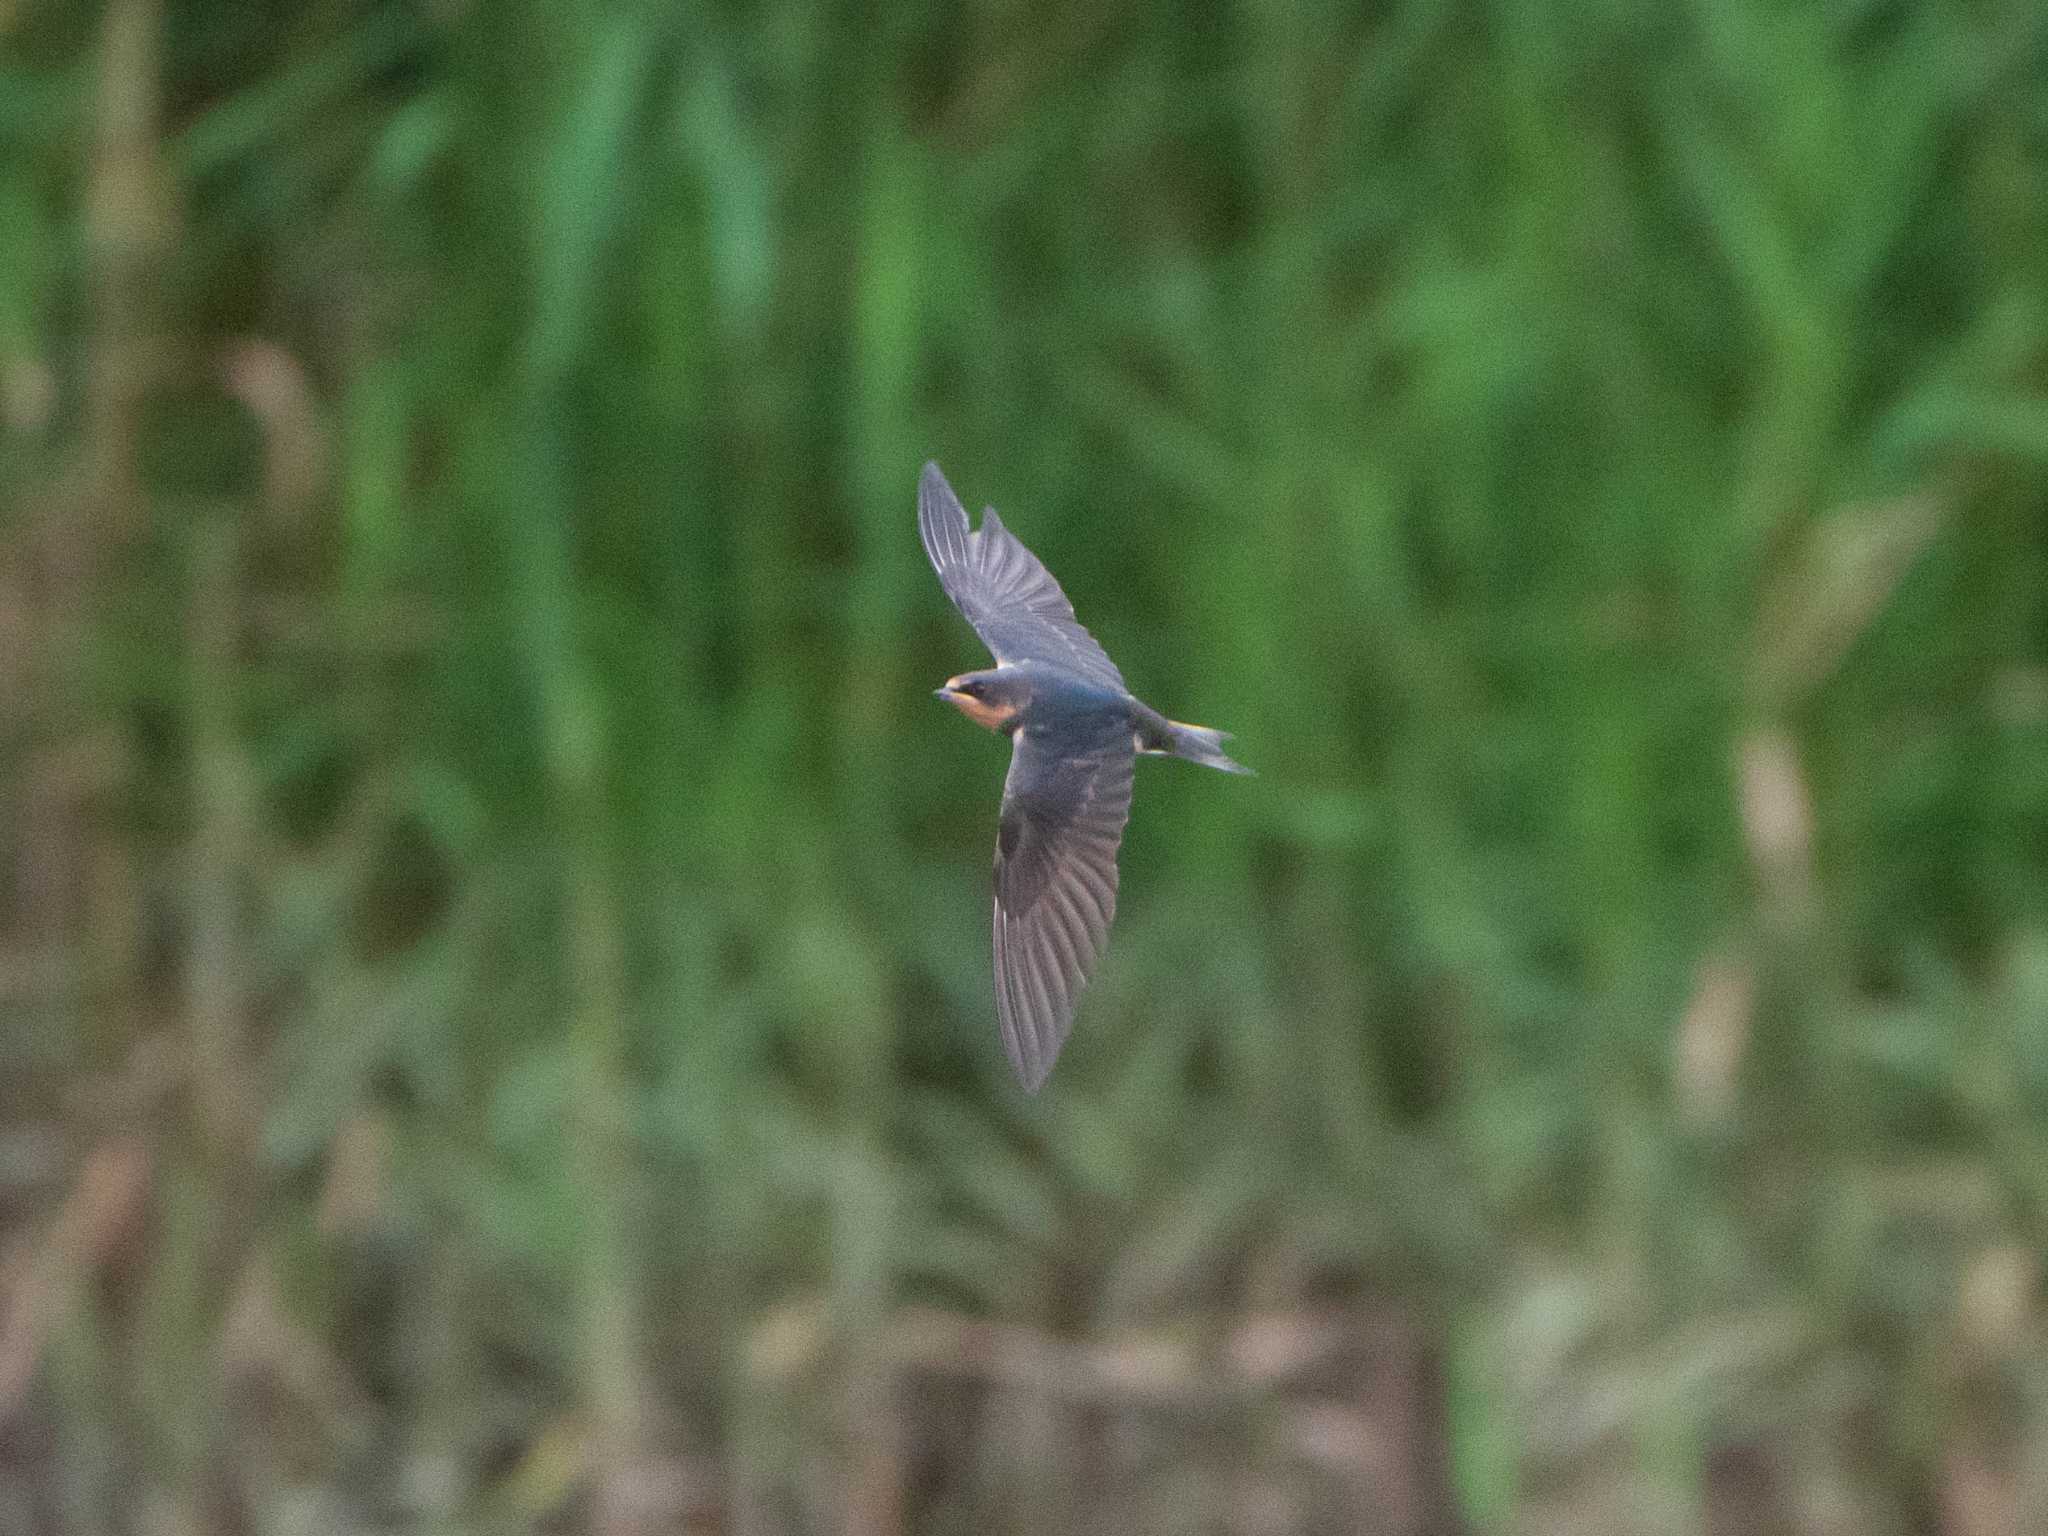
{"x":1076,"y":732}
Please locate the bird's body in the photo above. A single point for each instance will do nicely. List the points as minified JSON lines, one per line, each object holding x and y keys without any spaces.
{"x":1076,"y":732}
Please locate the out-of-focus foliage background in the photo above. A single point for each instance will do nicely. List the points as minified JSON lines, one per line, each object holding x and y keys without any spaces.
{"x":495,"y":1025}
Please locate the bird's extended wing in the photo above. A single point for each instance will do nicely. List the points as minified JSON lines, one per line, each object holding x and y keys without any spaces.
{"x":1001,"y":588}
{"x":1064,"y":808}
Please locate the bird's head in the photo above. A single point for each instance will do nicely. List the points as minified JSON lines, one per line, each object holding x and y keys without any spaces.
{"x":989,"y":699}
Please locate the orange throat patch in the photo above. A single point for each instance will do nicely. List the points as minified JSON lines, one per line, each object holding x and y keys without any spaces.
{"x":989,"y":716}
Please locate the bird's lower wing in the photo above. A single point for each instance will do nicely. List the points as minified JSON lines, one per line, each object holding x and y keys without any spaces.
{"x":1064,"y":809}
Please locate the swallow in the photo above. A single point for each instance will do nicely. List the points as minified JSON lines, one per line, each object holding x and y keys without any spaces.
{"x":1076,"y":733}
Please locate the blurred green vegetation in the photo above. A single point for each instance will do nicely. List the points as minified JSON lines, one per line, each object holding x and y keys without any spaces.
{"x":494,"y":966}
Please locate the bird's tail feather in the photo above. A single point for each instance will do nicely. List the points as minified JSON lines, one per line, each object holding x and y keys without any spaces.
{"x":1201,"y":744}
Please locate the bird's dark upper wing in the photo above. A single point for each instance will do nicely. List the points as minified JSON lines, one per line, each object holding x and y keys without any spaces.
{"x":1005,"y":593}
{"x":1064,"y":808}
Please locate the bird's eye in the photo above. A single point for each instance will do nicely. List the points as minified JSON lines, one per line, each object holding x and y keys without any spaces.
{"x":971,"y":689}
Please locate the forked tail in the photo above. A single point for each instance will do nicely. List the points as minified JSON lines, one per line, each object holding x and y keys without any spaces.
{"x":1199,"y":744}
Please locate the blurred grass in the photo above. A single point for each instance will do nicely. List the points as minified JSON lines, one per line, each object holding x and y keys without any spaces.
{"x":479,"y":821}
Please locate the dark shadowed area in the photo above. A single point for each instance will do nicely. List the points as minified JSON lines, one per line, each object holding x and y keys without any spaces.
{"x":496,"y":1025}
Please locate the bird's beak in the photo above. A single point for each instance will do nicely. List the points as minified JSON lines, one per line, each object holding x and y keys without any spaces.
{"x":942,"y":693}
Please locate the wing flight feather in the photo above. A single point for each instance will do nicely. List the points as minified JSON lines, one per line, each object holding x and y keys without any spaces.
{"x":1064,"y":809}
{"x":1002,"y":589}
